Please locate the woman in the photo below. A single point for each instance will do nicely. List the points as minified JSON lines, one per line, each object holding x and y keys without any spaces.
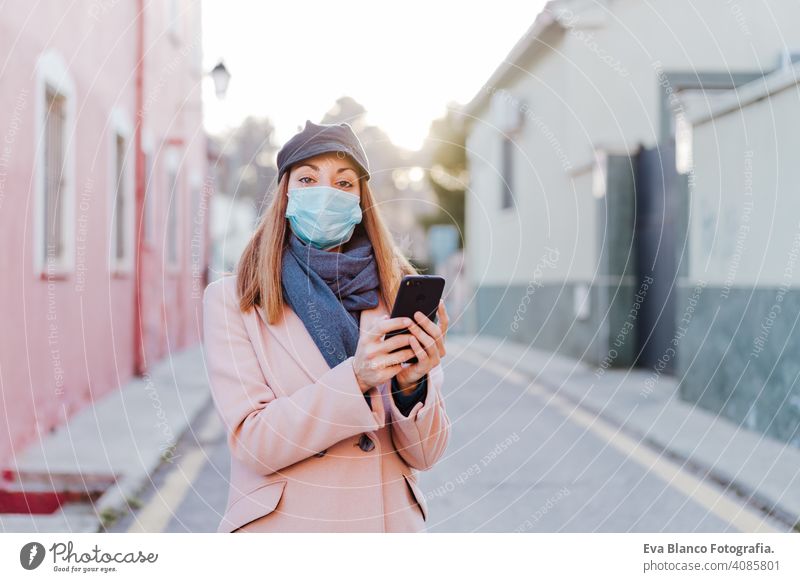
{"x":326,"y":427}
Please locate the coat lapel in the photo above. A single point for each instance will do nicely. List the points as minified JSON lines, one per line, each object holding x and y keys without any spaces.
{"x":292,"y":334}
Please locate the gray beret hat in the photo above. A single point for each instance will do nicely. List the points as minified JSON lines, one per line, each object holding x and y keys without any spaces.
{"x":317,"y":139}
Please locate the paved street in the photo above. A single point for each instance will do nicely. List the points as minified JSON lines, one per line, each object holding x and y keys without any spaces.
{"x":520,"y":459}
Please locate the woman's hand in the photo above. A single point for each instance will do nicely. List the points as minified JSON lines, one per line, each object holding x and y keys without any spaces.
{"x":427,"y":342}
{"x":372,"y":363}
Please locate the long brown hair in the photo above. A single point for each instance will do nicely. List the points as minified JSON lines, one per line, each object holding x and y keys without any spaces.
{"x":259,"y":271}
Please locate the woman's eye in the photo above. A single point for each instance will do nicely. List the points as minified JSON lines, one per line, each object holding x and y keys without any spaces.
{"x":304,"y":178}
{"x":345,"y":184}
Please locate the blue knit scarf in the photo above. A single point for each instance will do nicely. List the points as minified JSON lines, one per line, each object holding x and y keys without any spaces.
{"x":327,"y":290}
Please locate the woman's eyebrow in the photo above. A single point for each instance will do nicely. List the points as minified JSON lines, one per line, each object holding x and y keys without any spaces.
{"x":339,"y":171}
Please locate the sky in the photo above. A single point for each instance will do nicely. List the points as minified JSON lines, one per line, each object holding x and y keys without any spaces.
{"x":290,"y":61}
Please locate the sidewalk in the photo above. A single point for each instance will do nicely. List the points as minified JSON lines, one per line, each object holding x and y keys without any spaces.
{"x":106,"y":453}
{"x":645,"y":404}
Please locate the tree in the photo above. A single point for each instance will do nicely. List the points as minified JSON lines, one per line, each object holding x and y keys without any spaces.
{"x":251,"y":152}
{"x":446,"y":170}
{"x":346,"y":110}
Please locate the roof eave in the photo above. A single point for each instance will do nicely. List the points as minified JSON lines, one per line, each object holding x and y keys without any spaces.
{"x":544,"y":20}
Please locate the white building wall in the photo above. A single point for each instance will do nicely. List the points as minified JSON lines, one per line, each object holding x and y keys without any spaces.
{"x":745,"y":194}
{"x":596,"y":84}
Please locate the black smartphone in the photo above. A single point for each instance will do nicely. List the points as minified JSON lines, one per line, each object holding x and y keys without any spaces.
{"x":416,"y":293}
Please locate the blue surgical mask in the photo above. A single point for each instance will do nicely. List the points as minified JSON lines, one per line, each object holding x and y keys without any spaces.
{"x":323,"y":216}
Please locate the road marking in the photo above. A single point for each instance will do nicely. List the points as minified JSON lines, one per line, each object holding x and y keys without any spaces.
{"x":155,"y":516}
{"x":738,"y":515}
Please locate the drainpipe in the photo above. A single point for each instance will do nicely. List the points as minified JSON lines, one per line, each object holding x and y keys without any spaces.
{"x":140,"y":364}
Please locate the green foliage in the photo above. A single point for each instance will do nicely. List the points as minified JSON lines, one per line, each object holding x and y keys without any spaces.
{"x":447,"y":171}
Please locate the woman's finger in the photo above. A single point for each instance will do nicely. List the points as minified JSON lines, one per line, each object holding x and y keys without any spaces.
{"x":383,"y":326}
{"x":390,"y":372}
{"x":419,"y":351}
{"x":425,"y":323}
{"x":395,"y":359}
{"x":431,"y":343}
{"x":444,"y":319}
{"x":424,"y":339}
{"x":430,"y":346}
{"x":394,"y":343}
{"x":444,"y":322}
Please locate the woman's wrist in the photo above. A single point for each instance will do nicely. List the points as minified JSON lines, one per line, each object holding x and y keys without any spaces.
{"x":407,"y":387}
{"x":363,"y":386}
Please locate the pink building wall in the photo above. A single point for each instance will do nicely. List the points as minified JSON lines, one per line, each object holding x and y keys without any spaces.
{"x":67,"y":338}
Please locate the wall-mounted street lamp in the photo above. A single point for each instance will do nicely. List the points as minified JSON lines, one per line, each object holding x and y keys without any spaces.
{"x":221,"y":77}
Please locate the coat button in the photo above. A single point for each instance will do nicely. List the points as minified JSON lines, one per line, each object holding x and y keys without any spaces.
{"x":365,"y":443}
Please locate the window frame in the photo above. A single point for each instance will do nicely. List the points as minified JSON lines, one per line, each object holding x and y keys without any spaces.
{"x":149,"y":204}
{"x":507,"y":159}
{"x":52,"y":74}
{"x":172,"y":16}
{"x":507,"y":114}
{"x":120,"y":126}
{"x":172,"y":163}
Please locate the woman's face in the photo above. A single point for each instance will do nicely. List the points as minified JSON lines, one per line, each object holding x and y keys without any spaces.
{"x":329,"y":169}
{"x":332,"y":169}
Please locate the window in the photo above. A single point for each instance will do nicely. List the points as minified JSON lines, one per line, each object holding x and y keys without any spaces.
{"x":196,"y":228}
{"x":506,"y":113}
{"x":195,"y":220}
{"x":54,"y":149}
{"x":172,"y":244}
{"x":173,"y":20}
{"x":194,"y":35}
{"x":683,"y":143}
{"x":149,"y":193}
{"x":507,"y":173}
{"x":54,"y":215}
{"x":581,"y":301}
{"x":121,"y":196}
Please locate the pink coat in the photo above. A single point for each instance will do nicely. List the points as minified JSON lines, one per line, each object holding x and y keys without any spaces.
{"x":293,"y":426}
